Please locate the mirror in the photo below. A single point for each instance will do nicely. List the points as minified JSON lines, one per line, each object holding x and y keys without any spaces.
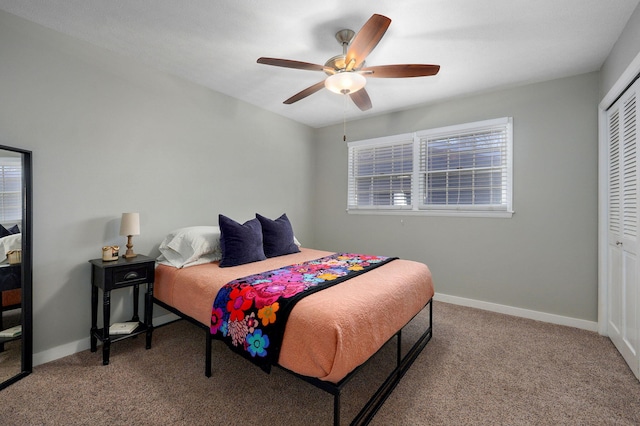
{"x":16,"y":339}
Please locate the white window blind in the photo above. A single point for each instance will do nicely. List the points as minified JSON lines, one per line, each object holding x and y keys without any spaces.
{"x":451,"y":170}
{"x":466,"y":167}
{"x":10,"y":190}
{"x":381,"y":173}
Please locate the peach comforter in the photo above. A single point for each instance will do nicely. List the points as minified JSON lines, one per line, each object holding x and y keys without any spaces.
{"x":318,"y":342}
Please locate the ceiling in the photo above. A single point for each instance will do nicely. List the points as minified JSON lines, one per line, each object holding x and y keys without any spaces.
{"x":481,"y":45}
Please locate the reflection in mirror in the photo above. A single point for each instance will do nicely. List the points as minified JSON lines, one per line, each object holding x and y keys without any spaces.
{"x":15,"y":265}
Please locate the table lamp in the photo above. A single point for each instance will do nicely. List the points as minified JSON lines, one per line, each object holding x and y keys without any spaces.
{"x":129,"y":226}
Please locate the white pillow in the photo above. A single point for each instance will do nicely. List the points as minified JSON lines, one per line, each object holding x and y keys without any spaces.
{"x":8,"y":243}
{"x":191,"y":246}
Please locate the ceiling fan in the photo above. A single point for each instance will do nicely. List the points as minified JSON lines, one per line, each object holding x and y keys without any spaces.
{"x":347,"y":72}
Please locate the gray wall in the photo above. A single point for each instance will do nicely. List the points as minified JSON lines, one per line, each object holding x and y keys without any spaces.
{"x":624,"y":51}
{"x":108,"y":136}
{"x":545,"y":257}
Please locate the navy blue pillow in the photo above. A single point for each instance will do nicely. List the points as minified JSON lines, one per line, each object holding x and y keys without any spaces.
{"x":277,"y":236}
{"x":240,"y":244}
{"x":14,"y":229}
{"x":4,"y":232}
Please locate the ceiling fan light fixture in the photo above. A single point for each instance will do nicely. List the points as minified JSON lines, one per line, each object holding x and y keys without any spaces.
{"x":344,"y":83}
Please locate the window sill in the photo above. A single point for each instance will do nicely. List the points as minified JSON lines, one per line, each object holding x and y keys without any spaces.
{"x":434,"y":213}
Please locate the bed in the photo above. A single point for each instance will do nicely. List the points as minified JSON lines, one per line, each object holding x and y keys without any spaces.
{"x":320,"y":345}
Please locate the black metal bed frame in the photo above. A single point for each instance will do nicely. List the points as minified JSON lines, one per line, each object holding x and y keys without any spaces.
{"x":381,"y":394}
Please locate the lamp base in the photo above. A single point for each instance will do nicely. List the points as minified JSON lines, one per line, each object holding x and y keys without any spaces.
{"x":129,"y":253}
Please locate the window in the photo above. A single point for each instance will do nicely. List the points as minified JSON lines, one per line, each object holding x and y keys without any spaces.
{"x":381,"y":173}
{"x":457,"y":170}
{"x":10,"y":190}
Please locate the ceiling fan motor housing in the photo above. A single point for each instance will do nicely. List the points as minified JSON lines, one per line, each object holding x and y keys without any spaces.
{"x":338,"y":63}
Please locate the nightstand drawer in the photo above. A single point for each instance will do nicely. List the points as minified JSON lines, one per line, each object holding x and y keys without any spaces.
{"x":122,"y":272}
{"x":131,"y":275}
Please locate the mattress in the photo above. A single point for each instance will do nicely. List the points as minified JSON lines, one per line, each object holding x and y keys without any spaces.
{"x":329,"y":333}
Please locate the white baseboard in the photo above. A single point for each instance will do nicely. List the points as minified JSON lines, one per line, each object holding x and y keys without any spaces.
{"x":83,"y":344}
{"x":518,"y":312}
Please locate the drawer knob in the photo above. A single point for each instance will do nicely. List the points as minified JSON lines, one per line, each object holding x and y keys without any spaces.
{"x":131,"y":275}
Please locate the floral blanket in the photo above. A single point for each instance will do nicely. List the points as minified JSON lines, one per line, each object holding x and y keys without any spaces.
{"x":250,"y":313}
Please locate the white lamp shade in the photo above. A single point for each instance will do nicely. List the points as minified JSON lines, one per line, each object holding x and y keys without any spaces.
{"x":345,"y":82}
{"x":130,"y":224}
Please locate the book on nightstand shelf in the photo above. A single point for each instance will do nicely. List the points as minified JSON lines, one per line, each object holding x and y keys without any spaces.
{"x":12,"y":332}
{"x":123,"y":327}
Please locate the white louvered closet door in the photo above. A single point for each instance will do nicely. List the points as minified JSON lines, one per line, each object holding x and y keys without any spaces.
{"x":623,"y":323}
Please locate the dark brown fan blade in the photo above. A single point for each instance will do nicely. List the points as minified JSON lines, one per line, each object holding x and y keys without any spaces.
{"x":366,"y":40}
{"x":287,"y":63}
{"x":361,"y":99}
{"x":306,"y":92}
{"x":401,"y":71}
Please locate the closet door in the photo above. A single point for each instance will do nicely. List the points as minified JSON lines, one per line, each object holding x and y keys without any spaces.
{"x":624,"y":298}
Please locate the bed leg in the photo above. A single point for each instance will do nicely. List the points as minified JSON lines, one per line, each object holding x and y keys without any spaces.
{"x":399,"y":354}
{"x":431,"y":315}
{"x":336,"y":409}
{"x":207,"y":362}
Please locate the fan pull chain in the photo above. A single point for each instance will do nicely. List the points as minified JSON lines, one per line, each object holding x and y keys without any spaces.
{"x":344,"y":119}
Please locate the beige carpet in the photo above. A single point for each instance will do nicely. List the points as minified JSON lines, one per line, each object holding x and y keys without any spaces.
{"x":10,"y":360}
{"x":11,"y":357}
{"x":479,"y":368}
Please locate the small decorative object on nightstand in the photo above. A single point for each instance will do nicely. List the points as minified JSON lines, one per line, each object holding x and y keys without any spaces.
{"x":114,"y":275}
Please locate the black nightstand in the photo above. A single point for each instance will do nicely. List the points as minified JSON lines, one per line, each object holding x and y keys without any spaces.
{"x":113,"y":275}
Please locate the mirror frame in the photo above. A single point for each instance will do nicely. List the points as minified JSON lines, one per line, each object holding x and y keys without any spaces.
{"x":26,"y":271}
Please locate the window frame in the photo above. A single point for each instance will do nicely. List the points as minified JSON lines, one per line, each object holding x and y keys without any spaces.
{"x":417,"y":207}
